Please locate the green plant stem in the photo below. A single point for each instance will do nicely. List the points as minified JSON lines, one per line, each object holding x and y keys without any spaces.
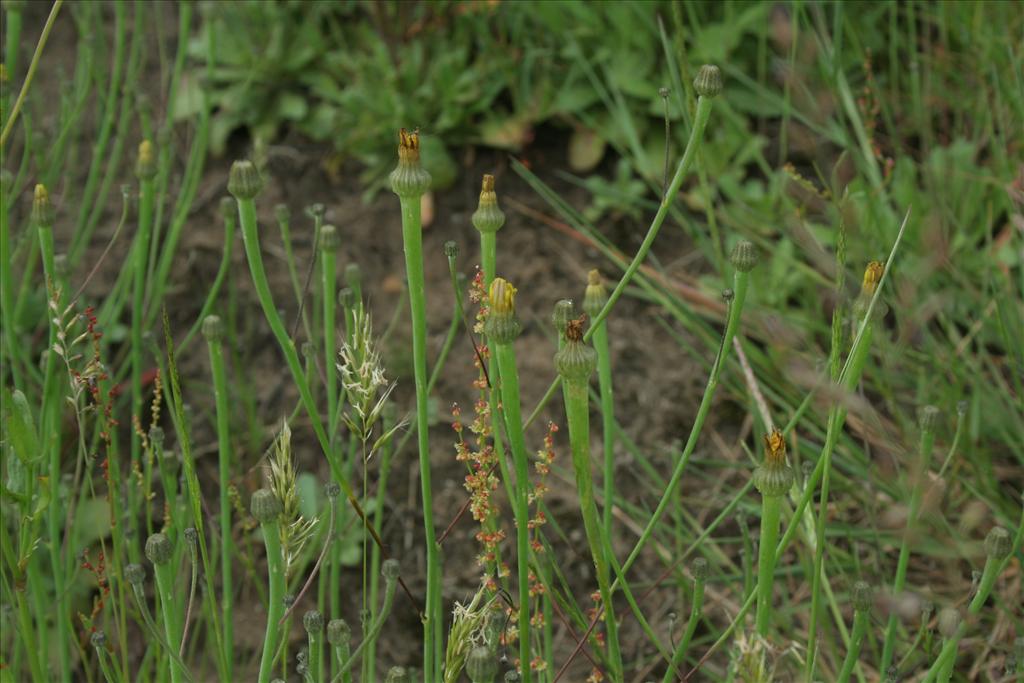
{"x":374,"y":631}
{"x":49,"y":430}
{"x":250,"y":239}
{"x":275,"y":597}
{"x":316,"y":655}
{"x":578,"y":416}
{"x":692,"y":145}
{"x":164,"y":574}
{"x":33,"y":65}
{"x":384,"y":470}
{"x":140,"y":254}
{"x":771,"y":507}
{"x":861,"y":618}
{"x":509,"y":384}
{"x":14,"y":354}
{"x":412,"y":238}
{"x":696,"y":609}
{"x":993,"y":568}
{"x":220,"y":392}
{"x":917,"y":493}
{"x":740,"y":282}
{"x":604,"y":381}
{"x":328,"y":274}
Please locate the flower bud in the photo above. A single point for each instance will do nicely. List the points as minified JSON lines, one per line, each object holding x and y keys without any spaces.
{"x":949,"y":622}
{"x":596,"y":296}
{"x":397,"y":674}
{"x":313,"y":621}
{"x":227,"y":209}
{"x":562,"y":314}
{"x":329,"y":239}
{"x":213,"y":328}
{"x":265,"y":506}
{"x":575,"y":361}
{"x":488,"y":217}
{"x":338,"y":632}
{"x":42,"y":208}
{"x":409,"y":180}
{"x":481,"y":665}
{"x":451,"y":250}
{"x":159,"y":549}
{"x":354,"y":276}
{"x":699,"y":569}
{"x":332,"y":490}
{"x":135,"y":574}
{"x":98,"y":639}
{"x":872,"y":276}
{"x":282,"y":213}
{"x":145,"y":164}
{"x":317,"y":211}
{"x":502,"y":326}
{"x":244,"y":181}
{"x":863,"y":598}
{"x":998,"y":543}
{"x":774,"y":477}
{"x":744,"y":256}
{"x":728,"y":295}
{"x":347,"y":298}
{"x":708,"y":82}
{"x":929,"y":415}
{"x":191,"y":535}
{"x":391,"y":569}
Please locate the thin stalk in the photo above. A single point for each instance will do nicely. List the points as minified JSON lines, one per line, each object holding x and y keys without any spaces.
{"x":578,"y":416}
{"x":509,"y":384}
{"x":861,"y":618}
{"x":993,"y":568}
{"x":373,"y":632}
{"x":164,"y":574}
{"x":328,"y":274}
{"x":33,"y":65}
{"x":140,"y":253}
{"x":771,"y":508}
{"x":696,"y":610}
{"x":692,"y":145}
{"x":412,"y":237}
{"x":604,"y":382}
{"x":927,"y":442}
{"x":740,"y":283}
{"x":220,"y":393}
{"x":275,"y":596}
{"x":387,"y":449}
{"x":50,"y":431}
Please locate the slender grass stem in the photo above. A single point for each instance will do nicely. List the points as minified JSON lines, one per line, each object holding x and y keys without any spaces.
{"x":140,"y":255}
{"x":509,"y":386}
{"x":696,"y":610}
{"x":578,"y":416}
{"x":33,"y":65}
{"x":213,"y":331}
{"x":275,"y":596}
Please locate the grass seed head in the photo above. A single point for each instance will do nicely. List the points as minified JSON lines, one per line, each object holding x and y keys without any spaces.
{"x":409,"y":180}
{"x":488,"y":217}
{"x":708,"y":82}
{"x":159,"y":549}
{"x":244,"y":181}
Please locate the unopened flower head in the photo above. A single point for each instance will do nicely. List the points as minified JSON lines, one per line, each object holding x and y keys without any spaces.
{"x":502,"y":325}
{"x":774,"y":476}
{"x":409,"y":179}
{"x":488,"y":217}
{"x":872,"y":276}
